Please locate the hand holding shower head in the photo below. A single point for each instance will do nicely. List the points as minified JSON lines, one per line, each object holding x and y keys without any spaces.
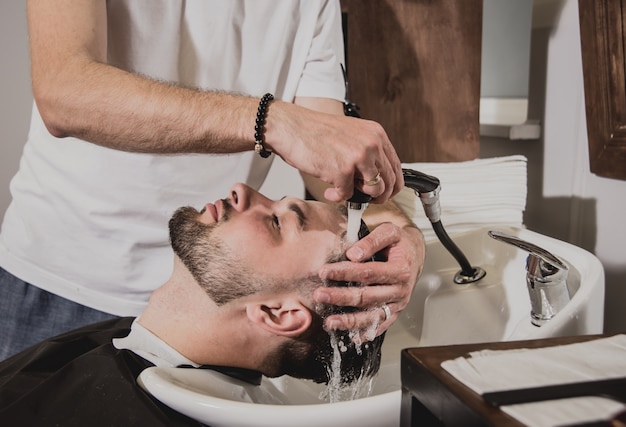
{"x":359,"y":200}
{"x":356,"y":206}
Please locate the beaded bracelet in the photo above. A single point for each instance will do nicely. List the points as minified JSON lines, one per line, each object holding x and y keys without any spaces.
{"x":259,"y":127}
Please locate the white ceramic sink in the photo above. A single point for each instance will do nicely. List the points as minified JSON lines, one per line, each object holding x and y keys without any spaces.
{"x":497,"y":308}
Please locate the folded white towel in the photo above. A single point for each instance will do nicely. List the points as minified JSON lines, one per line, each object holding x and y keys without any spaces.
{"x":487,"y":371}
{"x":473,"y":193}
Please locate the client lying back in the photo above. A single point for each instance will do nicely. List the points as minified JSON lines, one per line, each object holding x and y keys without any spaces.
{"x":239,"y":300}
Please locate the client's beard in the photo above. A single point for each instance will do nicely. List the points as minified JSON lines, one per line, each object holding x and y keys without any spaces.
{"x":219,"y":273}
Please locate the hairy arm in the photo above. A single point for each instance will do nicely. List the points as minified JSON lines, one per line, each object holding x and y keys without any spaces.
{"x":78,"y":94}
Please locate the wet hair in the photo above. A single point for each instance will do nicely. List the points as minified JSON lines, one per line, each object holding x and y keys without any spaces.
{"x":312,"y":355}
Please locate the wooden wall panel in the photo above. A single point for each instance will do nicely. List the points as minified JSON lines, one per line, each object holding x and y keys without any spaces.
{"x":414,"y":66}
{"x":603,"y":41}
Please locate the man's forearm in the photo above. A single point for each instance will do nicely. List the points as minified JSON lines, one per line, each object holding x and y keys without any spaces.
{"x":79,"y":94}
{"x":114,"y":108}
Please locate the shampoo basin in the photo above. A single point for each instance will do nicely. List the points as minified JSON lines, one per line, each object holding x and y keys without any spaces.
{"x":496,"y":308}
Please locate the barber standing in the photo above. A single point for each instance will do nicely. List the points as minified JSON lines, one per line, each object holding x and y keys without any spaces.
{"x":144,"y":105}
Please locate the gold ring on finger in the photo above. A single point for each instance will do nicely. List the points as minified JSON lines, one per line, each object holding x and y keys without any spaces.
{"x":373,"y":181}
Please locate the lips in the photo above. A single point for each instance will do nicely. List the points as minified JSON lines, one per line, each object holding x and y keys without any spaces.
{"x":211,"y":210}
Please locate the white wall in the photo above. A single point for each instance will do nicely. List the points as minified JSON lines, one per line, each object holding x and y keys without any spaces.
{"x":565,"y":200}
{"x":15,"y":93}
{"x":596,"y":220}
{"x":505,"y":48}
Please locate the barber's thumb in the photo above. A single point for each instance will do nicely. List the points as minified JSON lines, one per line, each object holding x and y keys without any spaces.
{"x":337,"y":194}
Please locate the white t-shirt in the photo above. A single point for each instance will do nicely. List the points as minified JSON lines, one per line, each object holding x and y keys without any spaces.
{"x":90,"y":223}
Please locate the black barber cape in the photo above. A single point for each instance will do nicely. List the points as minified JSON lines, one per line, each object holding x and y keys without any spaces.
{"x":81,"y":379}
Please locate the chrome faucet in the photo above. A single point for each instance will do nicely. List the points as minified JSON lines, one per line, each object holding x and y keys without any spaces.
{"x":546,"y":279}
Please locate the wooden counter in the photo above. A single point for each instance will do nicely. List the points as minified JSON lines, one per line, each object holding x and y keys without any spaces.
{"x":431,"y":397}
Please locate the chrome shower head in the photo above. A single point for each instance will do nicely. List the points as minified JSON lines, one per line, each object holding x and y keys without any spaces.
{"x":427,"y":188}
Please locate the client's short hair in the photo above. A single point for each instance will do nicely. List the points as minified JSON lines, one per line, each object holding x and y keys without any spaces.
{"x":313,"y":354}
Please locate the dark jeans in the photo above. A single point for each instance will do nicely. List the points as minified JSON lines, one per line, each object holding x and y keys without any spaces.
{"x":29,"y":315}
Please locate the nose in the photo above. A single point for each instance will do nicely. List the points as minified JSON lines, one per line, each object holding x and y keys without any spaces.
{"x":243,"y":197}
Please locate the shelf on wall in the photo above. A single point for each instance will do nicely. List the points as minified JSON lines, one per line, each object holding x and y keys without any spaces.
{"x":507,"y":118}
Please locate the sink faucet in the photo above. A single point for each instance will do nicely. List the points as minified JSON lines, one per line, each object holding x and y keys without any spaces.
{"x":427,"y":188}
{"x":546,"y":279}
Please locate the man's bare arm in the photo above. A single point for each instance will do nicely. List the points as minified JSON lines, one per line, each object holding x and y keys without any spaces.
{"x":78,"y":94}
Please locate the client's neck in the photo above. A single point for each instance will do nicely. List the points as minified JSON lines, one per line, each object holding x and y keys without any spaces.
{"x":182,"y":314}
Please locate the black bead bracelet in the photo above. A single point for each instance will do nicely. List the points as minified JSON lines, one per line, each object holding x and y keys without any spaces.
{"x":259,"y":128}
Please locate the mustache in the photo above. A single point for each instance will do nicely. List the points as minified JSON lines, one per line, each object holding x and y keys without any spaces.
{"x":185,"y":220}
{"x":227,"y":211}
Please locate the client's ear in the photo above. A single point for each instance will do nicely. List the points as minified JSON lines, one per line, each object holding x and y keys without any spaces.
{"x":286,"y":316}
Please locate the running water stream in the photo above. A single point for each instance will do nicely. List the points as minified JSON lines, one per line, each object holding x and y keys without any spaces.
{"x":337,"y":390}
{"x":354,"y":224}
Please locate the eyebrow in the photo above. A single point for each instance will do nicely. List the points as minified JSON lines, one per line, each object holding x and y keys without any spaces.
{"x":299,"y":214}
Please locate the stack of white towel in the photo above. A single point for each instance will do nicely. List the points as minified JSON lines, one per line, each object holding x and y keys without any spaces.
{"x":600,"y":359}
{"x":475,"y":193}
